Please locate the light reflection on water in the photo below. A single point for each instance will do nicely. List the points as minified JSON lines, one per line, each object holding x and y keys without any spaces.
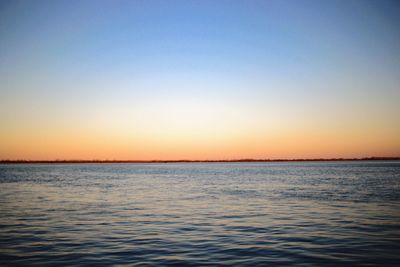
{"x":313,"y":213}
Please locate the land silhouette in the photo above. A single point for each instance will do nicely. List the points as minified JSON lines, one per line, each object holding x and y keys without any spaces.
{"x":196,"y":161}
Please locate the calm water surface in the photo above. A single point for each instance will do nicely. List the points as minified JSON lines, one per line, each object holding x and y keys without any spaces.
{"x":241,"y":214}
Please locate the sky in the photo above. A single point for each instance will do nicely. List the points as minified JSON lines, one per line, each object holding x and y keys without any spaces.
{"x":172,"y":80}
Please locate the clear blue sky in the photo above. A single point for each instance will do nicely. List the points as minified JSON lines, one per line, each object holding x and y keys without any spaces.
{"x":236,"y":77}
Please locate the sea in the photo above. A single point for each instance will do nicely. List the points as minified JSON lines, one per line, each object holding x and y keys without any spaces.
{"x":344,"y":213}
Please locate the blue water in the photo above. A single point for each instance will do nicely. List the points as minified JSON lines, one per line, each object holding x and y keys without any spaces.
{"x":241,"y":214}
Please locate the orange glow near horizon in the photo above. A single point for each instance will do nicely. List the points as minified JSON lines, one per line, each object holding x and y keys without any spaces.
{"x":185,"y":132}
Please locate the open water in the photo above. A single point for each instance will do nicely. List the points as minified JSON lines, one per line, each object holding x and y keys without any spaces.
{"x":233,"y":214}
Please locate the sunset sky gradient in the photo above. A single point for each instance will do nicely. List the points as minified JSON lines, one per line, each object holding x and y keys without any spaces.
{"x":175,"y":80}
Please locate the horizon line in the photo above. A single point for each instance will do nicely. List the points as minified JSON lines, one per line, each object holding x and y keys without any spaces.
{"x":22,"y":161}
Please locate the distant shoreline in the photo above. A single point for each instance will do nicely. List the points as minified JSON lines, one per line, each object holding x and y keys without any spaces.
{"x":192,"y":161}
